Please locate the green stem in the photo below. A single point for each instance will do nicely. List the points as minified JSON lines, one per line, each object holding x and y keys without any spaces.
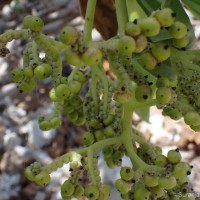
{"x":91,"y":166}
{"x":122,"y":15}
{"x":127,"y":137}
{"x":94,"y":90}
{"x":103,"y":78}
{"x":89,"y":20}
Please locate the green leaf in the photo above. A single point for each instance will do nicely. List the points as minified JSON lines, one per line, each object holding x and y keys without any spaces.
{"x":143,"y":113}
{"x":193,"y":6}
{"x":149,"y":6}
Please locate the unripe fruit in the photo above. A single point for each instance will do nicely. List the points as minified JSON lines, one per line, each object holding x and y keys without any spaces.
{"x":165,"y":17}
{"x":53,"y":96}
{"x":141,"y":43}
{"x":174,"y":156}
{"x":162,"y":82}
{"x":161,"y":160}
{"x":67,"y":189}
{"x":132,"y":29}
{"x":92,"y":192}
{"x":45,"y":125}
{"x":33,"y":22}
{"x":92,"y":56}
{"x":181,"y":43}
{"x":28,"y":72}
{"x":123,"y":96}
{"x":167,"y":182}
{"x":126,"y":173}
{"x":42,"y":71}
{"x":126,"y":45}
{"x":147,"y":61}
{"x":69,"y":35}
{"x":17,"y":75}
{"x":149,"y":26}
{"x":192,"y":118}
{"x":143,"y":93}
{"x":141,"y":193}
{"x":150,"y":181}
{"x":74,"y":86}
{"x":88,"y":138}
{"x":62,"y":91}
{"x":158,"y":191}
{"x":79,"y":191}
{"x":55,"y":122}
{"x":163,"y":95}
{"x":160,"y":51}
{"x":122,"y":186}
{"x":26,"y":86}
{"x":178,"y":30}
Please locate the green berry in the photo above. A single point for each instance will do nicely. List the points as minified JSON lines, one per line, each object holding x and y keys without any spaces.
{"x":151,"y":180}
{"x":149,"y":26}
{"x":28,"y":72}
{"x":165,"y":17}
{"x":143,"y":93}
{"x":67,"y":189}
{"x":192,"y":118}
{"x":33,"y":22}
{"x":132,"y":29}
{"x":45,"y":125}
{"x":26,"y":86}
{"x":174,"y":156}
{"x":92,"y":192}
{"x":181,"y":43}
{"x":160,"y":51}
{"x":167,"y":182}
{"x":92,"y":57}
{"x":126,"y":45}
{"x":52,"y":95}
{"x":74,"y":86}
{"x":17,"y":75}
{"x":72,"y":57}
{"x":69,"y":35}
{"x":62,"y":91}
{"x":79,"y":191}
{"x":122,"y":186}
{"x":141,"y":193}
{"x":158,"y":192}
{"x":163,"y":95}
{"x":88,"y":139}
{"x":55,"y":122}
{"x":161,"y":160}
{"x":126,"y":173}
{"x":147,"y":61}
{"x":141,"y":43}
{"x":178,"y":30}
{"x":42,"y":71}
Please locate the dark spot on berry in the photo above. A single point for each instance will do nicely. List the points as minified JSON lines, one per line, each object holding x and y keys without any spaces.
{"x":145,"y":96}
{"x":173,"y":14}
{"x":166,"y":46}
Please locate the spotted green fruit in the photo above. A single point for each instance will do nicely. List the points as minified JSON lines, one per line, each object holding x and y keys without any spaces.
{"x":33,"y":22}
{"x":148,"y":61}
{"x":181,"y":43}
{"x":192,"y":118}
{"x":160,"y":51}
{"x":42,"y":178}
{"x":17,"y":75}
{"x":62,"y":91}
{"x":165,"y":17}
{"x":132,"y":29}
{"x":178,"y":30}
{"x":67,"y":189}
{"x":143,"y":93}
{"x":42,"y":71}
{"x":149,"y":26}
{"x":92,"y":192}
{"x":167,"y":182}
{"x":163,"y":95}
{"x":174,"y":156}
{"x":69,"y":35}
{"x":126,"y":45}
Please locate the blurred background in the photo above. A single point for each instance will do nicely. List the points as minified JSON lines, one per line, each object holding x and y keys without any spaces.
{"x":21,"y":141}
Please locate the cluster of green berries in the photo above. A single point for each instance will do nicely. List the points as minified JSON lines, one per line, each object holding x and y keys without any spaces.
{"x":150,"y":184}
{"x":134,"y":59}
